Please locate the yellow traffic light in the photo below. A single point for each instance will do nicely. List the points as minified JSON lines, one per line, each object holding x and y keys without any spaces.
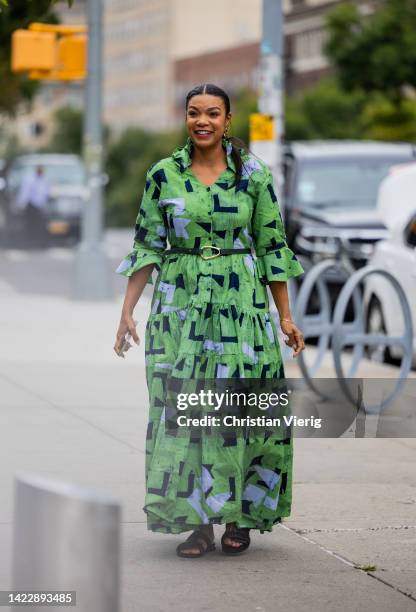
{"x":72,"y":57}
{"x":49,"y":52}
{"x":33,"y":50}
{"x":58,"y":29}
{"x":70,"y":63}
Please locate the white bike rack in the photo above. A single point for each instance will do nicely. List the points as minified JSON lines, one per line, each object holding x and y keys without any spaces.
{"x":354,"y":334}
{"x":335,"y":332}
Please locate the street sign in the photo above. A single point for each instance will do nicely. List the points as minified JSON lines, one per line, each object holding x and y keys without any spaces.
{"x":261,"y":127}
{"x":263,"y":137}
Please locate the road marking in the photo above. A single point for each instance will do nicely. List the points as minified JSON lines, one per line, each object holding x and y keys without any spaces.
{"x":16,"y":255}
{"x":60,"y":253}
{"x":112,"y":251}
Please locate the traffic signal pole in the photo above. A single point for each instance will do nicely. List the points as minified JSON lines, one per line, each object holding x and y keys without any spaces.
{"x":91,"y":267}
{"x":271,"y":74}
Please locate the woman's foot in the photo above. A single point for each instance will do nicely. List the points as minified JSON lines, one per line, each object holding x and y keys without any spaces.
{"x":235,"y":539}
{"x":199,"y":542}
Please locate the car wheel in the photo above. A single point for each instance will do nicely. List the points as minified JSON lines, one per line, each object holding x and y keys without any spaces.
{"x":376,"y":325}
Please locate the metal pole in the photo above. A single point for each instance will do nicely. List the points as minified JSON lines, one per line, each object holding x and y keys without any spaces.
{"x":271,"y":98}
{"x":66,"y":538}
{"x":91,"y":274}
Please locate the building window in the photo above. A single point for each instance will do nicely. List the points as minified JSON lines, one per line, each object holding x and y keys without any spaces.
{"x":309,"y":44}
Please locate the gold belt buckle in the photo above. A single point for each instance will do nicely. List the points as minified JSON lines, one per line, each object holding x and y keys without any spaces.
{"x":210,"y":246}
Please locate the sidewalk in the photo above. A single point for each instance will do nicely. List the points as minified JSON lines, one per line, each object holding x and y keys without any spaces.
{"x":72,"y":410}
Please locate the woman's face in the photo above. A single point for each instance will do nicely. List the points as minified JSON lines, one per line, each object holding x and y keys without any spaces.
{"x":206,"y":120}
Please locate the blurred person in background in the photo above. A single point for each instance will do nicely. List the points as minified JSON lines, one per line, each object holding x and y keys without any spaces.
{"x":210,"y":319}
{"x":32,"y":200}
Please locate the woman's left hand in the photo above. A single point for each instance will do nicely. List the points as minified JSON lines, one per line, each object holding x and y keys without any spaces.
{"x":295,"y":338}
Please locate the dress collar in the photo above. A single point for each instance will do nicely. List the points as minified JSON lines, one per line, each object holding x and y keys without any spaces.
{"x":183,"y":155}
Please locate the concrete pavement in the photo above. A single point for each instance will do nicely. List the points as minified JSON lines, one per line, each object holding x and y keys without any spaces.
{"x":72,"y":410}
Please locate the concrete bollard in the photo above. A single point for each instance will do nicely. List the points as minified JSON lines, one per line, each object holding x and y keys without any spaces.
{"x":66,"y":538}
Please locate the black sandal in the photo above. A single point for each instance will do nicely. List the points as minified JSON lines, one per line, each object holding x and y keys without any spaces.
{"x":238,"y":534}
{"x":195,"y":539}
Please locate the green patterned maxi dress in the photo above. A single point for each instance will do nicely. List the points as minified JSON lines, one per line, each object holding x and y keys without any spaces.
{"x":211,"y":319}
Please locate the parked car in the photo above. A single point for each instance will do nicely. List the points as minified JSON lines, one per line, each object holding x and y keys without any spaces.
{"x":397,"y":254}
{"x":331,"y":194}
{"x":67,"y":194}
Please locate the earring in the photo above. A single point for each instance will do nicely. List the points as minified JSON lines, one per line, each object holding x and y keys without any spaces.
{"x":226,"y":132}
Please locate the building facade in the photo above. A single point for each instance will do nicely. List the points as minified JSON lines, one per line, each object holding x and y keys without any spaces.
{"x":137,"y":66}
{"x":155,"y":51}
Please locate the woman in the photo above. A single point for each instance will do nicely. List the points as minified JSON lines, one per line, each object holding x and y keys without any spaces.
{"x":210,"y":319}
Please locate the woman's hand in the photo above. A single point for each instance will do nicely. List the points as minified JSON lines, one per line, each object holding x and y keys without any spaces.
{"x":295,"y":339}
{"x":126,"y":328}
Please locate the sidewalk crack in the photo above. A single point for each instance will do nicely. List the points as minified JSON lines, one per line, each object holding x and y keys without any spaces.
{"x":348,"y":562}
{"x":349,"y":529}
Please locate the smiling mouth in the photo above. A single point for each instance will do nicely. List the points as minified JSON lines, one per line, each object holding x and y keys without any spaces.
{"x":202,"y":132}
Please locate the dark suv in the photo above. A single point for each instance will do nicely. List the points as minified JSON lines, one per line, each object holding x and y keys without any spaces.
{"x":331,"y":194}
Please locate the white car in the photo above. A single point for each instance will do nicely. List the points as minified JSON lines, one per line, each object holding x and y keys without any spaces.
{"x":397,"y":254}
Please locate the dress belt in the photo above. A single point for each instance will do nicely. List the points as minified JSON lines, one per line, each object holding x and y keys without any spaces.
{"x":200,"y":251}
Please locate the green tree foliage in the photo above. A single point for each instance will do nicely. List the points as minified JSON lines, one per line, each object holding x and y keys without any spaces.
{"x":18,"y":14}
{"x":242,"y":104}
{"x":128,"y":159}
{"x":5,"y":3}
{"x":327,"y":111}
{"x":324,"y":111}
{"x":67,"y":132}
{"x":376,"y":52}
{"x":374,"y":57}
{"x":383,"y":120}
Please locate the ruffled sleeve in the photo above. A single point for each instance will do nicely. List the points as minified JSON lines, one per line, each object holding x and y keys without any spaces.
{"x":150,"y":230}
{"x":275,"y":259}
